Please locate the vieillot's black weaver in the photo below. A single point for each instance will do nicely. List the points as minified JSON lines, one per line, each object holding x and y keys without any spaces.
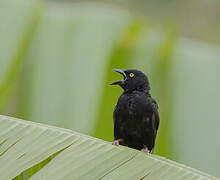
{"x":136,"y":117}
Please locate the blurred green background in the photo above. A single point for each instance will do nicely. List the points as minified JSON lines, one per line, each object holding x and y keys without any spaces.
{"x":56,"y":59}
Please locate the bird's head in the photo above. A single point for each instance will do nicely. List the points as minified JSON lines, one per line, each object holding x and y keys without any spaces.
{"x":133,"y":80}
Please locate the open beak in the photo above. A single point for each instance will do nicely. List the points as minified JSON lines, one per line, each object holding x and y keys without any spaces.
{"x":120,"y":82}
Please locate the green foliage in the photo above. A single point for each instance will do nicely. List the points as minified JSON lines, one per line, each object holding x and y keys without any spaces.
{"x":36,"y":151}
{"x":15,"y":35}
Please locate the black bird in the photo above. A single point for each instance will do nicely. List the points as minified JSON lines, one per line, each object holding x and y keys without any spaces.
{"x":136,"y":117}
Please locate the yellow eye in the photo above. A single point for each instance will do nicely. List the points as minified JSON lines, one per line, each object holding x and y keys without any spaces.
{"x":131,"y":74}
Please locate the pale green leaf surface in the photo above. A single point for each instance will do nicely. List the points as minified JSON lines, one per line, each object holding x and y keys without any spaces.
{"x":25,"y":144}
{"x":196,"y":80}
{"x":17,"y":21}
{"x":12,"y":30}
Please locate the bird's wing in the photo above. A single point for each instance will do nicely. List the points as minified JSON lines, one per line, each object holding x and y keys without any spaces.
{"x":155,"y":117}
{"x":115,"y":113}
{"x":116,"y":119}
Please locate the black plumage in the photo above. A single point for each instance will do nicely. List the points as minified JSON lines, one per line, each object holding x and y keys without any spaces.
{"x":136,"y":117}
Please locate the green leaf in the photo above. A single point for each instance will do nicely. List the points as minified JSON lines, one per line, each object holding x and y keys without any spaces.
{"x":15,"y":35}
{"x":24,"y":144}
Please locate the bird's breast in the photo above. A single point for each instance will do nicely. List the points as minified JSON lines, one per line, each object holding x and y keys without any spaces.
{"x":132,"y":107}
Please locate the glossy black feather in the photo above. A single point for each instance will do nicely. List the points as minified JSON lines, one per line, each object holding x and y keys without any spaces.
{"x":136,"y":117}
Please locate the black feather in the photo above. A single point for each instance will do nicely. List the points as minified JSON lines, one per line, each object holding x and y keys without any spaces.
{"x":136,"y":117}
